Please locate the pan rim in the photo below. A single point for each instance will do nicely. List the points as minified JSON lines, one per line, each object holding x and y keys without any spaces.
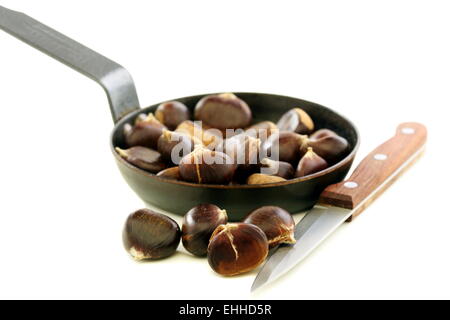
{"x":333,"y":168}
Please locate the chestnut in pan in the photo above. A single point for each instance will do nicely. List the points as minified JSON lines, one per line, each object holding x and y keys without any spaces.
{"x":237,"y":110}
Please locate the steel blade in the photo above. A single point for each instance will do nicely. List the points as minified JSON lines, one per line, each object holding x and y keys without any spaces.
{"x":315,"y":227}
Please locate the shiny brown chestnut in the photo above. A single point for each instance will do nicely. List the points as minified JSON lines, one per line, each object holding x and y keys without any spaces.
{"x":259,"y":178}
{"x":223,"y":111}
{"x":144,"y":158}
{"x":243,"y":149}
{"x":199,"y":224}
{"x":172,"y":113}
{"x":296,"y":120}
{"x":275,"y":222}
{"x":150,"y":235}
{"x":291,"y":146}
{"x":145,"y":133}
{"x":277,"y":168}
{"x":237,"y":248}
{"x":170,"y":173}
{"x":262,"y":130}
{"x":329,"y":145}
{"x":175,"y":145}
{"x":310,"y":163}
{"x":206,"y":166}
{"x":210,"y":138}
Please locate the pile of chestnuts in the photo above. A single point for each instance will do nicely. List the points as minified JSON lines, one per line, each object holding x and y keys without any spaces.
{"x":224,"y":147}
{"x":231,"y":248}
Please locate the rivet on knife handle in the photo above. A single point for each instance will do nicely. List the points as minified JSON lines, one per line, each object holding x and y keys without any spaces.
{"x":378,"y":170}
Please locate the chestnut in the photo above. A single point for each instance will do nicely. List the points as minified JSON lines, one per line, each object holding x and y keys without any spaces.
{"x":310,"y":163}
{"x":296,"y":120}
{"x":140,"y":117}
{"x":328,"y":144}
{"x":243,"y":149}
{"x":237,"y":248}
{"x":223,"y":111}
{"x":172,"y":113}
{"x":321,"y":133}
{"x":175,"y":145}
{"x":145,"y":133}
{"x":199,"y":224}
{"x":262,"y":130}
{"x":150,"y":235}
{"x":246,"y":158}
{"x":206,"y":166}
{"x":259,"y":178}
{"x":143,"y":158}
{"x":210,"y":138}
{"x":170,"y":173}
{"x":275,"y":222}
{"x":277,"y":168}
{"x":127,"y":128}
{"x":289,"y":145}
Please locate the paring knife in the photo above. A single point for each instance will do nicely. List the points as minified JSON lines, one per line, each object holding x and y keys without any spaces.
{"x":344,"y":201}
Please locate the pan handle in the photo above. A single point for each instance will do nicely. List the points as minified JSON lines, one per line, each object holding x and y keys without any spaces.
{"x":115,"y":79}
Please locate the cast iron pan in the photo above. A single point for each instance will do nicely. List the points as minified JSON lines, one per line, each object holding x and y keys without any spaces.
{"x":176,"y":196}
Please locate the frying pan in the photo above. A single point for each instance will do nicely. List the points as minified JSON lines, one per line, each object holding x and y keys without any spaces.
{"x":177,"y":196}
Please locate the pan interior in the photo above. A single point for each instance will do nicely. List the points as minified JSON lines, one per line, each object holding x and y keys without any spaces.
{"x":264,"y":107}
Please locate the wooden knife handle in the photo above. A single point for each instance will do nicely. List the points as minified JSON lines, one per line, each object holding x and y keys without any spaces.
{"x":378,"y":170}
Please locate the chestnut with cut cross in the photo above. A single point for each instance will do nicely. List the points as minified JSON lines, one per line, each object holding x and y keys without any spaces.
{"x":205,"y":166}
{"x":310,"y":163}
{"x":296,"y":120}
{"x":277,"y":224}
{"x":237,"y":248}
{"x":209,"y":138}
{"x":144,"y":133}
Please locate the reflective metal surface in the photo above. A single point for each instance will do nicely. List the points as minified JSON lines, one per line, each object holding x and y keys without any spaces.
{"x":315,"y":227}
{"x":115,"y":79}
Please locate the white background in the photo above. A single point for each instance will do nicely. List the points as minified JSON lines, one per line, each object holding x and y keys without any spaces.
{"x":63,"y":202}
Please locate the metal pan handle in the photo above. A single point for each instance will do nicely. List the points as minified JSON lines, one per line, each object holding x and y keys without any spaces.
{"x":115,"y":79}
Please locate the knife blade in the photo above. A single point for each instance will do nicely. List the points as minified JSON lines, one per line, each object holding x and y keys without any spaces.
{"x":344,"y":201}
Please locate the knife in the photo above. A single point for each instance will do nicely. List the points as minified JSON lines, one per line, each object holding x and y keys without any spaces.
{"x":345,"y":200}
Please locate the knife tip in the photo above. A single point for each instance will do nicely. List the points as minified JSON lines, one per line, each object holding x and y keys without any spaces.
{"x":257,"y":284}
